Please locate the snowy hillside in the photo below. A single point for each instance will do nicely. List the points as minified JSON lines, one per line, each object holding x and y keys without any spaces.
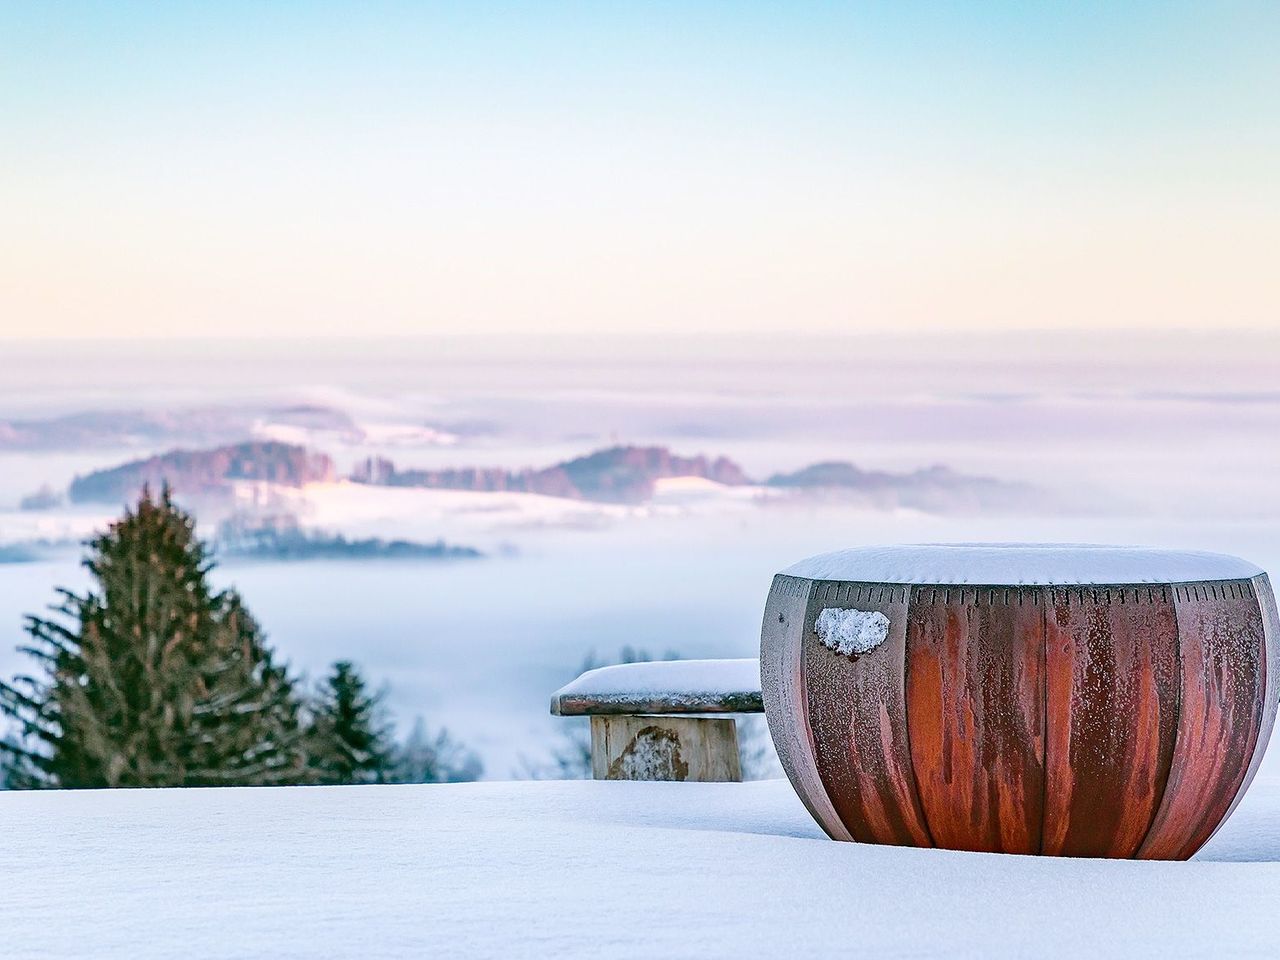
{"x":562,"y":869}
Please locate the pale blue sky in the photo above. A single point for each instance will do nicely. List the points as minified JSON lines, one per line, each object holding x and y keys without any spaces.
{"x":285,"y":168}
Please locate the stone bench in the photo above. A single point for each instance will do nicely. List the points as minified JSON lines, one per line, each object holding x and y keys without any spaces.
{"x":649,"y":721}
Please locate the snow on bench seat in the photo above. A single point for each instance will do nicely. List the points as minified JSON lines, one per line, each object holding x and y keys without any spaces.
{"x":663,"y":686}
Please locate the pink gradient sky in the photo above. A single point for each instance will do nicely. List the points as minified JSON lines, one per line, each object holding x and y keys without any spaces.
{"x":248,"y":170}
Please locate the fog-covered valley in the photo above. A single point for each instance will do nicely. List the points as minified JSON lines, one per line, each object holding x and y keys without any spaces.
{"x":1166,"y":443}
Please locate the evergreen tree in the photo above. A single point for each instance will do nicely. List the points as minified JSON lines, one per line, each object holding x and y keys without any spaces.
{"x":348,"y":741}
{"x":427,"y":758}
{"x":151,"y":678}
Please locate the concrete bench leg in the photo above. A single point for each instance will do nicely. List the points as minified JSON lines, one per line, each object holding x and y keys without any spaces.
{"x":664,"y":748}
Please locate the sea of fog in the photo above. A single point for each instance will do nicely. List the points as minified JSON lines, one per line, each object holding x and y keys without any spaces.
{"x":1165,"y":441}
{"x":479,"y":646}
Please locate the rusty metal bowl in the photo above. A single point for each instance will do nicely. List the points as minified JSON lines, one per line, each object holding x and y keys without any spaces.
{"x":1065,"y":700}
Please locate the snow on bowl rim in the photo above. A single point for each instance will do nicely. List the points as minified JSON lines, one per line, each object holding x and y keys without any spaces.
{"x":1021,"y":564}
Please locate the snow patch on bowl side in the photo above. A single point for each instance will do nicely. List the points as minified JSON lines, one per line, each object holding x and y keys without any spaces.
{"x":851,"y":631}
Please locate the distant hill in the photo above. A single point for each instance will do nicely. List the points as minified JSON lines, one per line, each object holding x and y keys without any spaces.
{"x":211,"y":426}
{"x":46,"y":498}
{"x":629,"y":475}
{"x":622,"y":474}
{"x":281,"y":538}
{"x":151,"y":428}
{"x":615,"y":475}
{"x":205,"y":473}
{"x":297,"y":545}
{"x":18,"y":553}
{"x":934,"y":488}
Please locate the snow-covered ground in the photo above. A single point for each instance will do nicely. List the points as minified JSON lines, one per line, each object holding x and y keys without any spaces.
{"x":568,"y":869}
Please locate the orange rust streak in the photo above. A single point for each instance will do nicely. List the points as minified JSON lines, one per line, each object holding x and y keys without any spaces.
{"x":1222,"y":682}
{"x":975,"y":713}
{"x":1112,"y":708}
